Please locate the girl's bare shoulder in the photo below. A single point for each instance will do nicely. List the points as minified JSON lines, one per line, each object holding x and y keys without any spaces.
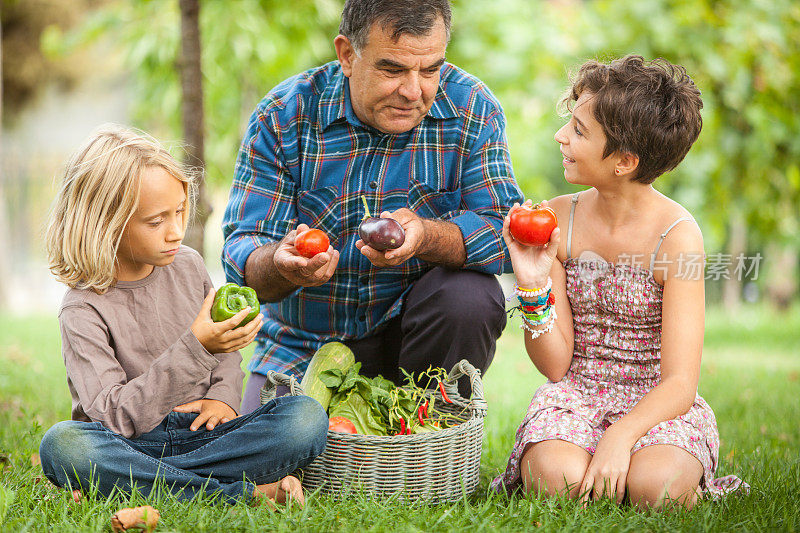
{"x":682,"y":236}
{"x":562,"y":206}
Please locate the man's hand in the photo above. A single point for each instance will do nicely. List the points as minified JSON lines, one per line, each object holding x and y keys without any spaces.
{"x":212,"y":412}
{"x":415,"y":238}
{"x":224,"y":337}
{"x":300,"y":270}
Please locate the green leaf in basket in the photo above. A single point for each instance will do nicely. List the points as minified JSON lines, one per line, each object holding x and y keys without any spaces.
{"x":332,"y":378}
{"x":427,"y":428}
{"x":382,"y":383}
{"x":364,"y":387}
{"x":380,"y":395}
{"x":358,"y":411}
{"x":406,"y":404}
{"x":351,"y":378}
{"x":384,"y":411}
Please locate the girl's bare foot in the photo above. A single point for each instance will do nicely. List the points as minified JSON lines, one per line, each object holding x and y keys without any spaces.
{"x":76,"y":496}
{"x":286,"y":490}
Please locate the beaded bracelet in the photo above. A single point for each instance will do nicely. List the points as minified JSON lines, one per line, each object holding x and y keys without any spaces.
{"x":529,"y":293}
{"x":537,"y":319}
{"x":539,"y":302}
{"x":542,"y":301}
{"x":535,"y":333}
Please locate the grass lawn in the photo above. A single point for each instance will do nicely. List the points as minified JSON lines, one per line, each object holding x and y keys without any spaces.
{"x":750,"y":376}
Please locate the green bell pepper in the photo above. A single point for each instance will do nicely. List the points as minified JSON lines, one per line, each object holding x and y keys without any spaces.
{"x":231,"y":299}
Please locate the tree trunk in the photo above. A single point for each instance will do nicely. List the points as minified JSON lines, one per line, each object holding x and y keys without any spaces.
{"x":737,"y":245}
{"x":782,"y":279}
{"x":192,"y":109}
{"x":3,"y":224}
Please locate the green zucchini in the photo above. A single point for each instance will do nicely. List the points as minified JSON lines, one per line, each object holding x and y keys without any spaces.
{"x":329,"y":356}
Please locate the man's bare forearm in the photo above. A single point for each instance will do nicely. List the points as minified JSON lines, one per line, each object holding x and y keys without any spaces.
{"x":260,"y":274}
{"x":443,"y":244}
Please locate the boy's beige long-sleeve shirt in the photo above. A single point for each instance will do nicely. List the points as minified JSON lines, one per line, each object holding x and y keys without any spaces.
{"x":131,"y":356}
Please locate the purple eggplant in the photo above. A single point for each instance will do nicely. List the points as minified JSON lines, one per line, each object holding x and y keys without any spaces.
{"x":380,"y":233}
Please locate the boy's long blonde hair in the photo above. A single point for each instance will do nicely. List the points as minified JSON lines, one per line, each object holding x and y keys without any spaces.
{"x":98,"y":196}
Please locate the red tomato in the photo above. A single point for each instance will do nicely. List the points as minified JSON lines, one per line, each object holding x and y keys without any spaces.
{"x":532,"y":226}
{"x":341,"y":424}
{"x":311,"y":242}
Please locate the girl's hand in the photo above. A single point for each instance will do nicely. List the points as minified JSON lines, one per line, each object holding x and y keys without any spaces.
{"x":607,"y":472}
{"x":531,"y":263}
{"x":212,"y":412}
{"x":221,"y":337}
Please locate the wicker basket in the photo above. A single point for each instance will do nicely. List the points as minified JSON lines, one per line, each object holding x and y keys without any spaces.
{"x":440,"y":466}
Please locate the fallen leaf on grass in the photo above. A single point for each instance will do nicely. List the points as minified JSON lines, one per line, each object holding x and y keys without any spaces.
{"x":7,"y":497}
{"x":144,"y":517}
{"x":35,"y":459}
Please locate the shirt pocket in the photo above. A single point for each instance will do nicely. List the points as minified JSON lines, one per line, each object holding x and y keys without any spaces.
{"x":428,"y":202}
{"x":322,"y":209}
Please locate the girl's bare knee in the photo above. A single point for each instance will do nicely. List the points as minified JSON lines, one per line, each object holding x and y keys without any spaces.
{"x":663,"y":476}
{"x":662,"y":491}
{"x":551,"y":471}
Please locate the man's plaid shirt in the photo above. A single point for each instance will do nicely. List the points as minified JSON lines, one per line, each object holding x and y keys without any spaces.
{"x":306,"y":158}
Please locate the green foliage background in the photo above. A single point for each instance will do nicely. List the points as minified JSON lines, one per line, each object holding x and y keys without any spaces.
{"x":743,"y":55}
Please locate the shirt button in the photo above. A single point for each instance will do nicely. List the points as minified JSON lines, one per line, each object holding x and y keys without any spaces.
{"x":362,"y":318}
{"x":373,"y":184}
{"x":364,"y":281}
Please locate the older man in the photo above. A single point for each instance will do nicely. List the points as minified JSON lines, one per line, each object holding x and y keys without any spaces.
{"x":424,"y":143}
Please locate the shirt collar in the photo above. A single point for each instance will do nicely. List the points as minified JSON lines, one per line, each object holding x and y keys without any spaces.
{"x":335,"y":104}
{"x":332,"y":101}
{"x":443,"y":107}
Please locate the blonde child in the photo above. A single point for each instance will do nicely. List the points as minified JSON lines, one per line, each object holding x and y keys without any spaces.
{"x":155,"y":383}
{"x":622,"y":342}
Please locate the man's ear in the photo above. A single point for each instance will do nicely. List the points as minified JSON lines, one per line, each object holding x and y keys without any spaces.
{"x":345,"y":53}
{"x":626,"y":164}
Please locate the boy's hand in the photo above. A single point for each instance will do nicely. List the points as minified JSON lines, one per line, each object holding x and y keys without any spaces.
{"x":212,"y":412}
{"x":221,"y":337}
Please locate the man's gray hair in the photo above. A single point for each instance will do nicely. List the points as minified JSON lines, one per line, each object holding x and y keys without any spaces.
{"x":415,"y":17}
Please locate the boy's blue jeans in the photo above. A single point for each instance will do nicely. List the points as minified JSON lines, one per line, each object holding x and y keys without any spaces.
{"x":281,"y":436}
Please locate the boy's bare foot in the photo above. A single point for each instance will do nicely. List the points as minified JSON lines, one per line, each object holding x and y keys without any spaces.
{"x":76,"y":496}
{"x":286,"y":490}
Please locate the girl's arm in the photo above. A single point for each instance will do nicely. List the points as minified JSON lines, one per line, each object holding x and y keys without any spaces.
{"x":128,"y":407}
{"x":551,"y":352}
{"x":683,"y":322}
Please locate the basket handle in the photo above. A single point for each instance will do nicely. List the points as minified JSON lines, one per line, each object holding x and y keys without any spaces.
{"x":465,"y":368}
{"x":269,"y":389}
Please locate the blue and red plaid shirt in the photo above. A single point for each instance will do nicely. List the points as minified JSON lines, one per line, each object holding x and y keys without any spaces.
{"x":306,"y":158}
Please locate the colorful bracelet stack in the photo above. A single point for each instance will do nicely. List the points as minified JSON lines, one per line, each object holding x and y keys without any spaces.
{"x":527,"y":326}
{"x":539,"y":312}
